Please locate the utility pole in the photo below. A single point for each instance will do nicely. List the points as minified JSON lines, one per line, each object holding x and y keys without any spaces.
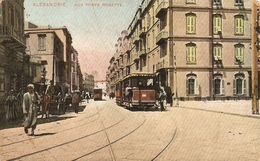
{"x":255,"y":107}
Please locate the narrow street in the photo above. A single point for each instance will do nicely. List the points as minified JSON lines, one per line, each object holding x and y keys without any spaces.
{"x":104,"y":131}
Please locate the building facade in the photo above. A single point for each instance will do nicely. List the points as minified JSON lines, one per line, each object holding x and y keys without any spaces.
{"x":45,"y":45}
{"x":102,"y":84}
{"x":58,"y":52}
{"x":14,"y":73}
{"x":201,"y":49}
{"x":88,"y":83}
{"x":74,"y":70}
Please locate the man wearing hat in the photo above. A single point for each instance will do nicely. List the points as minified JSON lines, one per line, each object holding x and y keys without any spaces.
{"x":31,"y":101}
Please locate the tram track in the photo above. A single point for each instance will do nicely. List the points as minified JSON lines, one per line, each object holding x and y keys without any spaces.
{"x":63,"y":129}
{"x":139,"y":121}
{"x":72,"y":141}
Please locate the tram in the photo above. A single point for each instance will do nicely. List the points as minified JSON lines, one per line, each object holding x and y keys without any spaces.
{"x":97,"y":94}
{"x":136,"y":90}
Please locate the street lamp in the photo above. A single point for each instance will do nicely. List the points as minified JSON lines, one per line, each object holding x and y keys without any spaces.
{"x":43,"y":75}
{"x":255,"y":5}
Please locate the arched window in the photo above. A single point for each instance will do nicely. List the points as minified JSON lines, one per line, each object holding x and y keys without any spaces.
{"x":218,"y":84}
{"x":217,"y":23}
{"x":191,"y":53}
{"x":217,"y":51}
{"x":239,"y":24}
{"x":239,"y":53}
{"x":239,"y":85}
{"x":192,"y":86}
{"x":190,"y":23}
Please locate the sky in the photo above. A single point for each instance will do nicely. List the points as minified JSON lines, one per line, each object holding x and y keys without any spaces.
{"x":95,"y":26}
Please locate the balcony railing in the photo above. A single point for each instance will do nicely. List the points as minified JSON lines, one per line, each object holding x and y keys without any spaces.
{"x":161,"y":65}
{"x":162,"y":8}
{"x":142,"y":52}
{"x":136,"y":39}
{"x":161,"y":37}
{"x":136,"y":56}
{"x":10,"y":31}
{"x":142,"y":32}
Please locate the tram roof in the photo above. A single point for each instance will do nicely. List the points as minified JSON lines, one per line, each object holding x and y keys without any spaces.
{"x":135,"y":75}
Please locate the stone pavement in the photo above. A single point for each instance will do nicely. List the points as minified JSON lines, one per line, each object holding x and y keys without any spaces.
{"x":239,"y":107}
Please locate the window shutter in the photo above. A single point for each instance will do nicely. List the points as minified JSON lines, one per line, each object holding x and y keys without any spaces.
{"x":222,"y":87}
{"x":197,"y":86}
{"x":187,"y":86}
{"x":244,"y":87}
{"x":234,"y":87}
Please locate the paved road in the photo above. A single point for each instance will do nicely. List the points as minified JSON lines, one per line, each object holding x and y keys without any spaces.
{"x":104,"y":131}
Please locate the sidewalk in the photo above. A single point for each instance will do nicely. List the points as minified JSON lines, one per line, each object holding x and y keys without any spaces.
{"x":239,"y":107}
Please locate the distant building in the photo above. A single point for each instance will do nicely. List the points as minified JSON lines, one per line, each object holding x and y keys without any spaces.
{"x":88,"y":83}
{"x":101,"y":84}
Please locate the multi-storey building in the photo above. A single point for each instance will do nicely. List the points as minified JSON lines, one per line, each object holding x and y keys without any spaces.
{"x":60,"y":52}
{"x":45,"y":45}
{"x":199,"y":48}
{"x":102,"y":84}
{"x":88,"y":83}
{"x":14,"y":73}
{"x":74,"y":70}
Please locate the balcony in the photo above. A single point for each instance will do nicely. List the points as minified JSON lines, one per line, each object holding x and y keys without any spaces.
{"x":12,"y":38}
{"x":136,"y":39}
{"x":161,"y":37}
{"x":135,"y":57}
{"x":142,"y":53}
{"x":142,"y":32}
{"x":161,"y":9}
{"x":121,"y":66}
{"x":161,"y":65}
{"x":128,"y":63}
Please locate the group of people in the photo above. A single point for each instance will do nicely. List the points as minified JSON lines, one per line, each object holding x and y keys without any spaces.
{"x":13,"y":106}
{"x":23,"y":106}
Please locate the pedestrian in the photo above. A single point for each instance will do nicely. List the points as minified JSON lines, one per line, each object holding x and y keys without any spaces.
{"x":169,"y":95}
{"x":11,"y":103}
{"x":87,"y":97}
{"x":161,"y":96}
{"x":75,"y":101}
{"x":31,"y":101}
{"x":19,"y":107}
{"x":129,"y":95}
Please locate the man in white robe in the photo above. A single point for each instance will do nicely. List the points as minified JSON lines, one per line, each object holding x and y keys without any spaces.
{"x":31,"y":101}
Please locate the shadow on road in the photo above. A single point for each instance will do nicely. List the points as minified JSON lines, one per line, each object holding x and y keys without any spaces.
{"x":18,"y":123}
{"x":44,"y":134}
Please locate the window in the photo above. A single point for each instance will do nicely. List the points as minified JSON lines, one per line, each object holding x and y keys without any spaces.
{"x":239,"y":85}
{"x":148,"y":19}
{"x":217,"y":51}
{"x":163,"y":22}
{"x":217,"y":2}
{"x":239,"y":53}
{"x":239,"y":24}
{"x":41,"y":42}
{"x":218,"y":85}
{"x":137,"y":65}
{"x":163,"y":50}
{"x":238,"y":2}
{"x":192,"y":87}
{"x":191,"y":23}
{"x":190,"y":1}
{"x":217,"y":23}
{"x":191,"y":53}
